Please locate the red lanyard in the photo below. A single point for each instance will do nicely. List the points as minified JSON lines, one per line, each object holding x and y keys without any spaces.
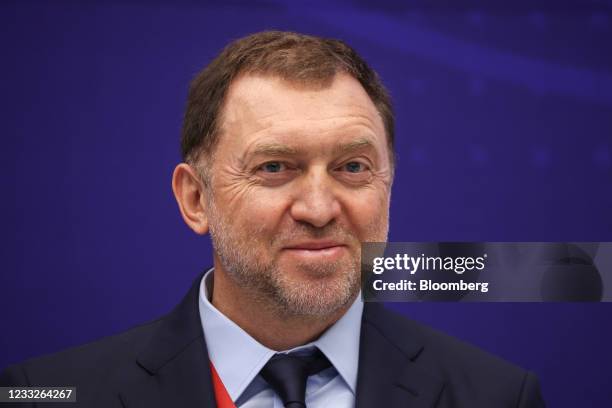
{"x":221,"y":396}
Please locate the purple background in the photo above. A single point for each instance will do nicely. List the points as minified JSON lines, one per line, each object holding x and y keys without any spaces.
{"x":504,"y":134}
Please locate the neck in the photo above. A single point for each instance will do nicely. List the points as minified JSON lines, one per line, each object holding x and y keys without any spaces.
{"x":263,"y":321}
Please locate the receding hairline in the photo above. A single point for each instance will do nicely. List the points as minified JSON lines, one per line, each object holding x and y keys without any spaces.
{"x":297,"y":85}
{"x":302,"y":61}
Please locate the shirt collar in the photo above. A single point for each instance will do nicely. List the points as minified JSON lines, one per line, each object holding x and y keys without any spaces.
{"x":238,"y":357}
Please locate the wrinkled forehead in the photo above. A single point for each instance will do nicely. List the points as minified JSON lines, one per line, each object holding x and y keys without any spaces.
{"x":257,"y":106}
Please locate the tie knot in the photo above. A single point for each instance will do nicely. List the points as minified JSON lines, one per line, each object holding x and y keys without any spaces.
{"x":287,"y":375}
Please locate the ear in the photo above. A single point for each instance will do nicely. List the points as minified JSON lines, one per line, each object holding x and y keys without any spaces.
{"x":190,"y":196}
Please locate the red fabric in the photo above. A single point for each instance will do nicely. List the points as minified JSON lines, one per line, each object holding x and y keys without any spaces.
{"x":221,"y":396}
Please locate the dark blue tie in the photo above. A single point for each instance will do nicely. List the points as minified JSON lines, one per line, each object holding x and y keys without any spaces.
{"x":287,"y":375}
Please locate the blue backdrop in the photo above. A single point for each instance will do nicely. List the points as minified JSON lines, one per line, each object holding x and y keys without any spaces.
{"x":504,"y":124}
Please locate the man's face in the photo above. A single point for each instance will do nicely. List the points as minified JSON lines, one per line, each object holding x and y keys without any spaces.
{"x":300,"y":176}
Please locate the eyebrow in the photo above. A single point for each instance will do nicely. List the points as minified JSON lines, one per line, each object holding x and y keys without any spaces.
{"x":273,"y":149}
{"x":353,"y":145}
{"x":279,"y":149}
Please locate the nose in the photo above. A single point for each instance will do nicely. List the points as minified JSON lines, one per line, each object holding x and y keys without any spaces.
{"x":316,"y":202}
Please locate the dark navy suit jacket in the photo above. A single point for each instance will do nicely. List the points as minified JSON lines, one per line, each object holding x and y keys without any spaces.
{"x":165,"y":363}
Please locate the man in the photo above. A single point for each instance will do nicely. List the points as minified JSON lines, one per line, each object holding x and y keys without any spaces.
{"x":288,"y":163}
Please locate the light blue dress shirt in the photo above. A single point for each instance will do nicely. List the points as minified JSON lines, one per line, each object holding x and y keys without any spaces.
{"x":238,"y":358}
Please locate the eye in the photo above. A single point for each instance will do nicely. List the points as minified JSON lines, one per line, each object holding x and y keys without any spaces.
{"x":273,"y":167}
{"x":275,"y":173}
{"x":354,"y":172}
{"x":354,"y":167}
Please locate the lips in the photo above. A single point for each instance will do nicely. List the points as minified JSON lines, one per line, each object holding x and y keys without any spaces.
{"x":314,"y":245}
{"x":316,"y":251}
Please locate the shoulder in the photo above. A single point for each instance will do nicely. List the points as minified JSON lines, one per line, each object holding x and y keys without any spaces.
{"x":468,"y":372}
{"x":87,"y":363}
{"x":438,"y":350}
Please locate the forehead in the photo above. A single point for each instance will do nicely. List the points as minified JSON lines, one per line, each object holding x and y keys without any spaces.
{"x":259,"y":107}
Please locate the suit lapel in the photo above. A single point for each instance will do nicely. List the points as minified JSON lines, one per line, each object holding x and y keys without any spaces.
{"x":389,"y":375}
{"x":176,"y":366}
{"x":175,"y":361}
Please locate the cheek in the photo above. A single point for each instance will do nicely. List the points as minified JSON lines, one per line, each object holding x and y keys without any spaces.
{"x":246,"y":206}
{"x":369,"y":214}
{"x":258,"y":213}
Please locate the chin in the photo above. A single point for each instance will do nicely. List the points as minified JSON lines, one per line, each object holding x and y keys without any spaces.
{"x":317,"y":293}
{"x":313,"y":304}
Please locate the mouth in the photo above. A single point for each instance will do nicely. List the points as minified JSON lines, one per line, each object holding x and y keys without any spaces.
{"x":316,"y":250}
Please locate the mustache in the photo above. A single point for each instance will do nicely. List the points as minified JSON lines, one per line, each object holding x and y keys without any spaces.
{"x":304,"y":232}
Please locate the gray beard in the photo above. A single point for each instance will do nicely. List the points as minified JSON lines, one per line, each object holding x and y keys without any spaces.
{"x":270,"y":286}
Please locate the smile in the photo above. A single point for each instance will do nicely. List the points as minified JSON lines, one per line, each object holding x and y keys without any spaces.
{"x":328,"y":253}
